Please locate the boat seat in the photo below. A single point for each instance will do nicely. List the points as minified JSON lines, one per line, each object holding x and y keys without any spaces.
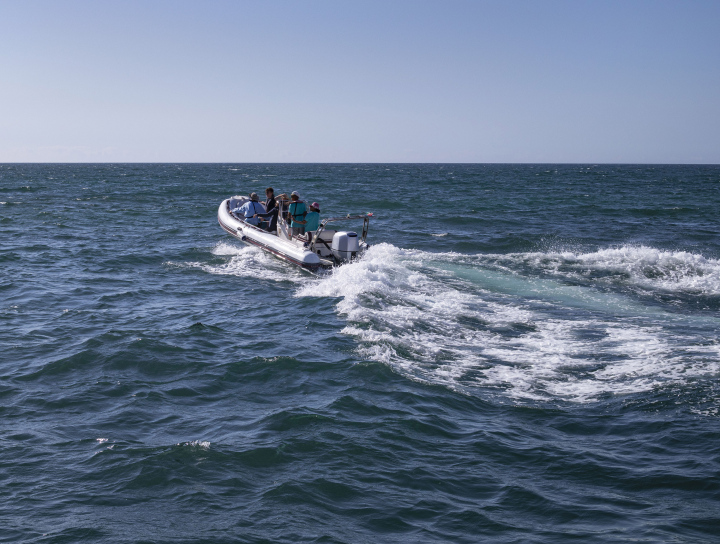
{"x":327,"y":235}
{"x":236,"y":201}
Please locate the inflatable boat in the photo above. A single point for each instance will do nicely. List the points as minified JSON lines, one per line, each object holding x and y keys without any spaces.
{"x":321,"y":249}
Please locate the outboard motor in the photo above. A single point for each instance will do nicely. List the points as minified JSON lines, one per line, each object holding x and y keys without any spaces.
{"x":345,"y":245}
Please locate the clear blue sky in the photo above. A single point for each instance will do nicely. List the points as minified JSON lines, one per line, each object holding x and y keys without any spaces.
{"x":360,"y":81}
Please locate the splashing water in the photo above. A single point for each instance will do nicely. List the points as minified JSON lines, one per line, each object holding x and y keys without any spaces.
{"x":638,"y":265}
{"x":248,"y":262}
{"x":474,"y":321}
{"x":532,"y":338}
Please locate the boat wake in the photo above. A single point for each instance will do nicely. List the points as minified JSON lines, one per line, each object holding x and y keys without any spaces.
{"x":457,"y":320}
{"x":646,"y":267}
{"x":529,"y":326}
{"x":249,"y":262}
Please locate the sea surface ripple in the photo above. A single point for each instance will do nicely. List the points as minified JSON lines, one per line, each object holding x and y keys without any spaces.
{"x":527,"y":353}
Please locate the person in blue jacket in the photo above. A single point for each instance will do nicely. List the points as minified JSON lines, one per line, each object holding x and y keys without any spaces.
{"x":297,"y":212}
{"x":249,"y":210}
{"x":271,"y":211}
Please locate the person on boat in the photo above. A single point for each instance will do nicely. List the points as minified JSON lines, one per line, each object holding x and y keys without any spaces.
{"x":271,"y":210}
{"x":297,"y":212}
{"x":270,"y":203}
{"x":250,"y":209}
{"x":312,"y":220}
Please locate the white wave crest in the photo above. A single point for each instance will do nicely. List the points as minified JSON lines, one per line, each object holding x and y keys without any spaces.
{"x":202,"y":444}
{"x":226,"y":248}
{"x":249,"y":262}
{"x":417,"y":313}
{"x":640,"y":265}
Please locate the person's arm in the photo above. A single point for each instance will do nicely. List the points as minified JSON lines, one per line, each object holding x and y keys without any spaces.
{"x":272,"y":212}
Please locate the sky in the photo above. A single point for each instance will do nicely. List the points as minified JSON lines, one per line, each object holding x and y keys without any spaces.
{"x":496,"y":81}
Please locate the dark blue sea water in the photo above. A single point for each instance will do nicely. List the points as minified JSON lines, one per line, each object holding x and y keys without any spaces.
{"x":527,"y":353}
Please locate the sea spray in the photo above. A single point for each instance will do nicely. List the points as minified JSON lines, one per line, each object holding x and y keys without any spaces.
{"x":407,"y":309}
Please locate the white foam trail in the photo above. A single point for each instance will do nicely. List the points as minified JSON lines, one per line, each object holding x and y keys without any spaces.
{"x":202,"y":444}
{"x":249,"y":262}
{"x":639,"y":265}
{"x":225,"y":248}
{"x":411,"y":310}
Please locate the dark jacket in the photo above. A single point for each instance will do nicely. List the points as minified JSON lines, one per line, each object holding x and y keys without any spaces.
{"x":272,"y":213}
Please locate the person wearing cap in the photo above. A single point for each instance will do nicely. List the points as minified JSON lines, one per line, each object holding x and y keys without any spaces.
{"x":297,"y":212}
{"x":248,"y":210}
{"x":312,"y":219}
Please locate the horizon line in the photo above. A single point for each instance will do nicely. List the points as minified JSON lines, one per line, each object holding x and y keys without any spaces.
{"x":368,"y":162}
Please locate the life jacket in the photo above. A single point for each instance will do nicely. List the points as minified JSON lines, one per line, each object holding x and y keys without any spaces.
{"x":296,"y":215}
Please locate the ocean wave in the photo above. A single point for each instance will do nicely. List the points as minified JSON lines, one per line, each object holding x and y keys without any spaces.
{"x":642,"y":266}
{"x":248,"y":262}
{"x":201,"y":444}
{"x":414,"y":311}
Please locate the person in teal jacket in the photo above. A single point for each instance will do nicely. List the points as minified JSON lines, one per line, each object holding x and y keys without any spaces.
{"x":297,"y":211}
{"x":312,"y":219}
{"x":311,"y":222}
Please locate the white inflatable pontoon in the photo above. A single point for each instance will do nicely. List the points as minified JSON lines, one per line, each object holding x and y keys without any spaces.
{"x":323,"y":248}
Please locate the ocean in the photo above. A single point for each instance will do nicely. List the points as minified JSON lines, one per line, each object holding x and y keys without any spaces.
{"x":526,"y":353}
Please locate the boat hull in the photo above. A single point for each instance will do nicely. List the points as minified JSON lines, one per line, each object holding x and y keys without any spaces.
{"x":287,"y":250}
